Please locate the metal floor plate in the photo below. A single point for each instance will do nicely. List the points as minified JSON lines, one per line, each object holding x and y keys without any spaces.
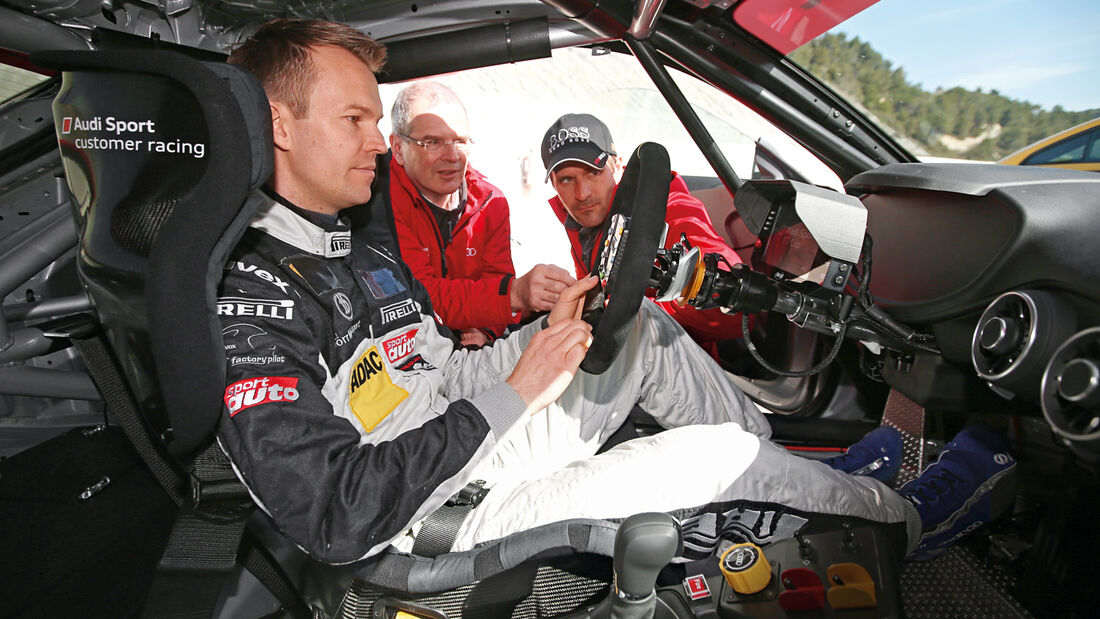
{"x":958,"y":584}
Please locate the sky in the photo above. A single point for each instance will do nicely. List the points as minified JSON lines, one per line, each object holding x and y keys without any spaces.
{"x":1044,"y":52}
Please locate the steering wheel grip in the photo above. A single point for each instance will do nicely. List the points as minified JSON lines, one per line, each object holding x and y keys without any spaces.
{"x":642,"y":197}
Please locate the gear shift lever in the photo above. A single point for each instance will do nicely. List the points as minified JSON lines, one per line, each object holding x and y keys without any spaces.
{"x":644,"y":544}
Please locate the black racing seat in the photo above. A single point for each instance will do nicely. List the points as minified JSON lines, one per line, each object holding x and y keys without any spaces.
{"x":160,"y":151}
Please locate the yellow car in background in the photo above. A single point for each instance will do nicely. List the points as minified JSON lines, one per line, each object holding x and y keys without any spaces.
{"x":1076,"y":148}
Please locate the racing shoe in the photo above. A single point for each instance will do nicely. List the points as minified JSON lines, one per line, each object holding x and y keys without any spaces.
{"x":970,"y":484}
{"x":877,"y":454}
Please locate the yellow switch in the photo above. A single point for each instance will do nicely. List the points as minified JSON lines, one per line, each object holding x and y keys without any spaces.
{"x":745,"y":568}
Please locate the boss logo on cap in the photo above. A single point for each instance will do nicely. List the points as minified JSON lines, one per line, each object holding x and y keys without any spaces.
{"x":566,"y":135}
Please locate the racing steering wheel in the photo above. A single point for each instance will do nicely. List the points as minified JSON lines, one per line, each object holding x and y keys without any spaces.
{"x":630,"y":238}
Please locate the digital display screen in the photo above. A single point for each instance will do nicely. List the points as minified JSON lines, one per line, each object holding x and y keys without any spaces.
{"x":787,"y":250}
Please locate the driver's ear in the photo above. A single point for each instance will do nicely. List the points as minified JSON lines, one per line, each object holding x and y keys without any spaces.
{"x":279,"y":126}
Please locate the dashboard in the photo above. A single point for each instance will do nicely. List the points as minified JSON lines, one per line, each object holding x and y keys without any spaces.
{"x":1001,"y":264}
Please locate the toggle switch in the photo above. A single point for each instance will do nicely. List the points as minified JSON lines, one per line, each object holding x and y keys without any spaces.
{"x":802,"y":590}
{"x":852,"y":586}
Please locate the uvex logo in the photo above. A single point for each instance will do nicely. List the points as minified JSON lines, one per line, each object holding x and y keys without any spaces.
{"x":400,"y":346}
{"x":256,"y":391}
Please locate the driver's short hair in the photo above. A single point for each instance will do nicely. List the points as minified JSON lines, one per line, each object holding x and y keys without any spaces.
{"x":279,"y":54}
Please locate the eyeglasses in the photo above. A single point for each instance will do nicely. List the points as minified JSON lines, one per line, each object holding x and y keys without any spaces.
{"x":434,"y":145}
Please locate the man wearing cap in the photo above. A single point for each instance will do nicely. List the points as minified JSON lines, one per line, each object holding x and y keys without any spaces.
{"x":581,"y":163}
{"x":452,"y":224}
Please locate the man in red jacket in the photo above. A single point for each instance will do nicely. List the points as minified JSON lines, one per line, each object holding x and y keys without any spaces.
{"x":452,"y":224}
{"x":582,"y":165}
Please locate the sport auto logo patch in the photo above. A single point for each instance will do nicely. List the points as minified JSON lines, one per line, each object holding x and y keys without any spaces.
{"x":371,"y":394}
{"x":256,"y":391}
{"x":399,"y":347}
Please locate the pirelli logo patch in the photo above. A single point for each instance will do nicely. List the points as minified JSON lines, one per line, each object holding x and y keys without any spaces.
{"x":371,"y":394}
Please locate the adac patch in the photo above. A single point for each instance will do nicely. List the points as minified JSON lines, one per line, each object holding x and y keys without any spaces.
{"x":400,"y":346}
{"x":371,"y":394}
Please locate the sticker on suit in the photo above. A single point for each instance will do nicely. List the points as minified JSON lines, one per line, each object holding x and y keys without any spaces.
{"x":245,"y":394}
{"x":400,"y":346}
{"x":371,"y":394}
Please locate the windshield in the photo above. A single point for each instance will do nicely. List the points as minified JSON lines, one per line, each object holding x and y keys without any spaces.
{"x":511,"y":106}
{"x":973,"y":81}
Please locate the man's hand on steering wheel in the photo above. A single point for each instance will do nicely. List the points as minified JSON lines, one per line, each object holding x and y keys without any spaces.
{"x":571,"y":300}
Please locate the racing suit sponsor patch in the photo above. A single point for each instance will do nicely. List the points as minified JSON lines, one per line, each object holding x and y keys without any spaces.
{"x":343,"y":304}
{"x":346,"y":338}
{"x":371,"y":393}
{"x":265,"y":308}
{"x":399,"y":347}
{"x":257,"y":359}
{"x":261,"y":390}
{"x":267,"y":276}
{"x":242,"y":329}
{"x":415,"y":363}
{"x":397,"y":311}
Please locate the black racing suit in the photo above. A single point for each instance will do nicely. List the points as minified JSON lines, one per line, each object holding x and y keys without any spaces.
{"x":336,"y":369}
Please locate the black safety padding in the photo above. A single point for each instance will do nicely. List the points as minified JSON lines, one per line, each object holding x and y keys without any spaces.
{"x":466,"y":49}
{"x":160,"y":151}
{"x":642,"y":196}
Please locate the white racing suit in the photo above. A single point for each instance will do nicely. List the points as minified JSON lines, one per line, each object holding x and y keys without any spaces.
{"x":351,"y":415}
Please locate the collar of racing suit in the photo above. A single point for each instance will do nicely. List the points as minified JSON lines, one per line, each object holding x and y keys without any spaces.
{"x":281,"y":222}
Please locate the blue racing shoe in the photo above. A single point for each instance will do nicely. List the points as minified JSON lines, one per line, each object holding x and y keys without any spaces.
{"x":971,"y":483}
{"x":877,"y":454}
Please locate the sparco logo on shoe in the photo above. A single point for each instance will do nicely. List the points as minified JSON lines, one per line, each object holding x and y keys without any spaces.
{"x":566,"y":135}
{"x":397,"y":310}
{"x":256,"y":391}
{"x":400,"y":346}
{"x":264,"y":308}
{"x":258,"y":272}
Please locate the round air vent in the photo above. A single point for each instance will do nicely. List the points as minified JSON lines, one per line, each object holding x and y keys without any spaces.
{"x":1016,"y":336}
{"x":1071,"y":387}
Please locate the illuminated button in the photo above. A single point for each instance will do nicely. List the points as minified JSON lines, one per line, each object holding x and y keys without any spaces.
{"x":745,"y":568}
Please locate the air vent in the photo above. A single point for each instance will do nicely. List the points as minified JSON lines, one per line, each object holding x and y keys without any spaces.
{"x":1071,"y":388}
{"x":1016,"y":336}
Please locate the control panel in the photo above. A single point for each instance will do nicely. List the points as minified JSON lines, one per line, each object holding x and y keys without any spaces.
{"x":850,"y":573}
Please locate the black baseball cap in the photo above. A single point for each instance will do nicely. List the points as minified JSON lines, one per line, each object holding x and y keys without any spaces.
{"x":582,"y":138}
